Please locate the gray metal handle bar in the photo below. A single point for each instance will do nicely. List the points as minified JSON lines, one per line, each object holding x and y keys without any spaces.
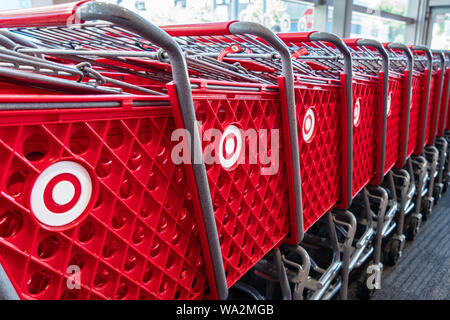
{"x":385,"y":68}
{"x":429,"y":57}
{"x":409,"y":66}
{"x":441,"y":56}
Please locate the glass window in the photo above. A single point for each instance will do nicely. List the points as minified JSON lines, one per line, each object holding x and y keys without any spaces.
{"x":441,"y":32}
{"x":399,"y":7}
{"x":279,"y":15}
{"x":15,"y":4}
{"x":375,"y":27}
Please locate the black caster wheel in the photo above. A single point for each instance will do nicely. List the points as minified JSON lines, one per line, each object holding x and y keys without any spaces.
{"x":413,"y":228}
{"x":437,"y":193}
{"x":363,"y":292}
{"x":427,"y":206}
{"x":394,"y":253}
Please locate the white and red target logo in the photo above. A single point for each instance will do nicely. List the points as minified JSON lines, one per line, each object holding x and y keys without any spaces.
{"x":389,"y":101}
{"x":309,"y":125}
{"x":61,"y":193}
{"x":230,"y":147}
{"x":357,"y":113}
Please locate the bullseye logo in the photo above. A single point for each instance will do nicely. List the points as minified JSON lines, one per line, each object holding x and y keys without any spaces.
{"x":389,"y":100}
{"x":357,"y":113}
{"x":230,"y":147}
{"x":61,"y":193}
{"x":309,"y":125}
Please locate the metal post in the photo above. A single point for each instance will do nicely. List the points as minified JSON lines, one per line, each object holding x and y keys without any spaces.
{"x":342,"y":17}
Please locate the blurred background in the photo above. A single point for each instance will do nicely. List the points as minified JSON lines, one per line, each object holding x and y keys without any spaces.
{"x":410,"y":21}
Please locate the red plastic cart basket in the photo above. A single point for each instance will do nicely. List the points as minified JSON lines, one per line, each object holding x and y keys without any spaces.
{"x":420,"y":99}
{"x":267,"y":201}
{"x":370,"y":91}
{"x":323,"y":77}
{"x":399,"y":98}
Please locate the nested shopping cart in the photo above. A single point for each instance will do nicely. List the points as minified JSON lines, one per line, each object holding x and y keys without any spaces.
{"x":198,"y":228}
{"x":446,"y":128}
{"x":321,"y":103}
{"x":220,"y":51}
{"x":323,"y":81}
{"x":441,"y":142}
{"x":92,"y":205}
{"x":370,"y":92}
{"x":434,"y":152}
{"x":322,"y":69}
{"x":400,"y":180}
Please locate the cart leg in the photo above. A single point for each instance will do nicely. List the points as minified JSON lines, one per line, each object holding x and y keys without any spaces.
{"x":406,"y":189}
{"x":432,"y":155}
{"x":442,"y":145}
{"x":346,"y":220}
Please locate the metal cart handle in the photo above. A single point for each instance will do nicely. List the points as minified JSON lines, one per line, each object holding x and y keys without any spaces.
{"x":447,"y":97}
{"x":242,"y":28}
{"x":409,"y":68}
{"x":429,"y":57}
{"x":316,"y":36}
{"x":441,"y":56}
{"x":385,"y":69}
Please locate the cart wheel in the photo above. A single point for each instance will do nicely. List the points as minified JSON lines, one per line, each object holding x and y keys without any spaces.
{"x":437,"y":193}
{"x":363,"y":292}
{"x":427,"y":206}
{"x":394,"y":253}
{"x":413,"y":229}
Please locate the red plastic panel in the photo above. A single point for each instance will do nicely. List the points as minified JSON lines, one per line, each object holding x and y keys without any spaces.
{"x":251,"y":208}
{"x":138,"y":237}
{"x":418,"y":97}
{"x":320,"y":155}
{"x":393,"y":127}
{"x":364,"y":133}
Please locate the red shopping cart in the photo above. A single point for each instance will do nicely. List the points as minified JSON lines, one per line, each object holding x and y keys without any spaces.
{"x":399,"y":98}
{"x":322,"y":69}
{"x":370,"y":92}
{"x":420,"y":99}
{"x":130,"y":229}
{"x":249,"y":208}
{"x":443,"y":114}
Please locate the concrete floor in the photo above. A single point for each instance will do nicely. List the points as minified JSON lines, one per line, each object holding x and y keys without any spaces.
{"x":423,"y":272}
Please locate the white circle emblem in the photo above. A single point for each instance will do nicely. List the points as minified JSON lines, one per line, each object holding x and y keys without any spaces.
{"x":61,"y":193}
{"x":309,"y":125}
{"x":357,"y":113}
{"x":230,"y":146}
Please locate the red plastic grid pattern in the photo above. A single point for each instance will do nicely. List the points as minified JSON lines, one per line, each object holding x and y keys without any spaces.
{"x":139,"y":241}
{"x":393,"y":123}
{"x":434,"y":87}
{"x":365,"y":134}
{"x":418,"y":96}
{"x":251,"y":209}
{"x":443,"y":109}
{"x":321,"y":157}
